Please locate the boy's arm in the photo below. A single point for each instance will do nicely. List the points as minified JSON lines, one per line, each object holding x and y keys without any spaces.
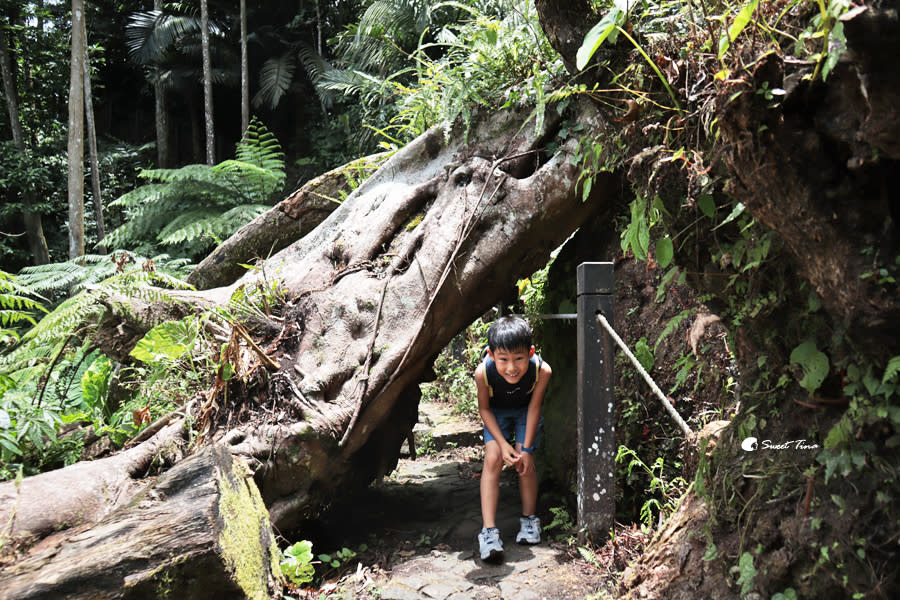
{"x":490,"y":421}
{"x":526,"y":464}
{"x":534,"y":406}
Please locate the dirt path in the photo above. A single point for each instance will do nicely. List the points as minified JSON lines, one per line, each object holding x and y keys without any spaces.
{"x":418,"y":529}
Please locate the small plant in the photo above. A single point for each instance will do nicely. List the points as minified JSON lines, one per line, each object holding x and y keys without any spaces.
{"x":746,"y":573}
{"x":563,"y":523}
{"x":664,"y":494}
{"x":425,"y":445}
{"x":297,"y":563}
{"x":589,"y":556}
{"x":341,"y":557}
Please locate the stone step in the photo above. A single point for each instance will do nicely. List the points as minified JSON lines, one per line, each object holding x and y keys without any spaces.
{"x":439,"y":428}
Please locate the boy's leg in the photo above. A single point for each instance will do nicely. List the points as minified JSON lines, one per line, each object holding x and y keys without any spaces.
{"x":528,"y":482}
{"x":528,"y":490}
{"x":530,"y":530}
{"x":490,"y":483}
{"x":489,"y":545}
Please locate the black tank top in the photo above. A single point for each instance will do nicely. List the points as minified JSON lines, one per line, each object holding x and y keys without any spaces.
{"x":506,"y":395}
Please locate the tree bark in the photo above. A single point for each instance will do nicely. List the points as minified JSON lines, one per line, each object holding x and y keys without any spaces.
{"x":92,"y":146}
{"x":565,"y":23}
{"x":200,"y":531}
{"x":245,"y":71}
{"x":161,"y":114}
{"x":207,"y":84}
{"x":76,"y":134}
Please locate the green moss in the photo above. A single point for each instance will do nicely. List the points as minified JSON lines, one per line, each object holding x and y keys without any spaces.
{"x":246,"y":526}
{"x":414,"y":222}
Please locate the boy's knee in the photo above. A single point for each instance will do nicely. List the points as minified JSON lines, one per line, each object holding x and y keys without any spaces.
{"x":493,"y":459}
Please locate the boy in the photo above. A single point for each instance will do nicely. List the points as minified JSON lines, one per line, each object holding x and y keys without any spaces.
{"x":511,"y":383}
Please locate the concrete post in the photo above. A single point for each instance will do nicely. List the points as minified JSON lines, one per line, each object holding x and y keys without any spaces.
{"x":596,"y":415}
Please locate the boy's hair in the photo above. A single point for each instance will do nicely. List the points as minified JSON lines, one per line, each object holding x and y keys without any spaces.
{"x":510,"y":333}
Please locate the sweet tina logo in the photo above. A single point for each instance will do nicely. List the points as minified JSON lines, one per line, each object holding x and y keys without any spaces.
{"x":751,"y":444}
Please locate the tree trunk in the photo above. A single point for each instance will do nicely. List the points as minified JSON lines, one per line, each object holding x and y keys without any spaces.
{"x":76,"y":134}
{"x":565,"y":23}
{"x":199,"y":531}
{"x":92,"y":146}
{"x":245,"y":71}
{"x":34,"y":229}
{"x":161,"y":114}
{"x":207,"y":84}
{"x":423,"y":247}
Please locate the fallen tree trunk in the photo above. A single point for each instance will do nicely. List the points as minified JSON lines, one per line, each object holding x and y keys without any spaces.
{"x":200,"y":531}
{"x":326,"y":390}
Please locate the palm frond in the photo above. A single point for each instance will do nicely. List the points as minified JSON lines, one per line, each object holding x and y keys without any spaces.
{"x":275,"y":79}
{"x":315,"y":66}
{"x":149,"y":35}
{"x":350,"y":82}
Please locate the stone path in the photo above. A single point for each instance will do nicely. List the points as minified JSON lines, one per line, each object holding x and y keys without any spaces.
{"x":431,"y":505}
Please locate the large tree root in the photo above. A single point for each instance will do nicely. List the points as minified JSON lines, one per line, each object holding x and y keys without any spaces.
{"x":201,"y":531}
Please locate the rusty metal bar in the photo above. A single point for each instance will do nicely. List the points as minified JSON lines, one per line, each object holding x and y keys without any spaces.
{"x":595,"y":398}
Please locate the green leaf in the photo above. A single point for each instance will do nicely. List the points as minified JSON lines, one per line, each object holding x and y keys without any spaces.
{"x":166,"y":341}
{"x":664,"y":252}
{"x":893,"y":367}
{"x":10,"y":444}
{"x":735,"y":213}
{"x":740,"y":21}
{"x":606,"y":28}
{"x":837,"y":45}
{"x":748,"y":573}
{"x":643,"y":353}
{"x":707,"y":205}
{"x":814,"y":364}
{"x":296,"y":563}
{"x":788,"y":594}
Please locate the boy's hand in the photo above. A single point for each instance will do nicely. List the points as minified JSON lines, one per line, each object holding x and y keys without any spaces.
{"x":511,"y":456}
{"x":525,"y":464}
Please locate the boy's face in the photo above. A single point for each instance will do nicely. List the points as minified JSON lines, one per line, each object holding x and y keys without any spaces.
{"x":512,"y":364}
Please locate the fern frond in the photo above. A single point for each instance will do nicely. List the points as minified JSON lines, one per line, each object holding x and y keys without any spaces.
{"x":80,"y":313}
{"x":61,"y":277}
{"x":210,"y":225}
{"x":260,"y":147}
{"x":185,"y":173}
{"x":185,"y":206}
{"x":93,"y":269}
{"x":18,"y":305}
{"x":233,"y":219}
{"x":191,"y":225}
{"x":145,"y":194}
{"x":251,"y":181}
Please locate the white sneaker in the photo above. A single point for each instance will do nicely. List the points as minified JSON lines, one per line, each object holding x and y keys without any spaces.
{"x":489,"y":544}
{"x":530,"y":531}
